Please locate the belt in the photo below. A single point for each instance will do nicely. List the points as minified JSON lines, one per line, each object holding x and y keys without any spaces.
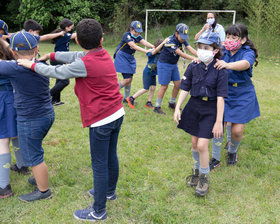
{"x":206,"y":98}
{"x":240,"y":84}
{"x":6,"y":88}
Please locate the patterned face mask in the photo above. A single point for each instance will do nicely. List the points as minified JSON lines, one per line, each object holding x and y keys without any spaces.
{"x":232,"y":45}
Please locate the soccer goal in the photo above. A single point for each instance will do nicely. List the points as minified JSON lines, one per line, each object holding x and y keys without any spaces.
{"x":175,"y":10}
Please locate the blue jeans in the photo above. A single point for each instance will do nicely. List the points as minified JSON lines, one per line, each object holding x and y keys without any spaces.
{"x":31,"y":133}
{"x":104,"y":161}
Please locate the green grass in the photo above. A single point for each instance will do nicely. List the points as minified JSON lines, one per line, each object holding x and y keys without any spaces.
{"x":155,"y":158}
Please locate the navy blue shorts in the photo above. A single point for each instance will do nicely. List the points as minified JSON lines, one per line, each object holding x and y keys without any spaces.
{"x":8,"y":123}
{"x":167,"y":72}
{"x":149,"y":80}
{"x":198,"y":118}
{"x":127,"y":76}
{"x":31,"y":133}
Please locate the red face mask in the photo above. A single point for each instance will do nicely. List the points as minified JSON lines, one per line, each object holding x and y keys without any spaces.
{"x":232,"y":45}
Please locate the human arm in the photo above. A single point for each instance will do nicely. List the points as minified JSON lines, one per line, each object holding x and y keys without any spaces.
{"x":51,"y":36}
{"x":218,"y":126}
{"x":146,"y":43}
{"x":158,"y":48}
{"x":137,"y":48}
{"x":204,"y":28}
{"x":63,"y":57}
{"x":184,"y":55}
{"x":74,"y":35}
{"x":177,"y":112}
{"x":241,"y":65}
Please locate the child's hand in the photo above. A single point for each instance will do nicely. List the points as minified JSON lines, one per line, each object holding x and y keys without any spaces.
{"x":45,"y":57}
{"x":166,"y":40}
{"x":177,"y":116}
{"x":206,"y":27}
{"x":196,"y":60}
{"x":62,"y":33}
{"x":149,"y":50}
{"x":218,"y":130}
{"x":25,"y":62}
{"x":220,"y":64}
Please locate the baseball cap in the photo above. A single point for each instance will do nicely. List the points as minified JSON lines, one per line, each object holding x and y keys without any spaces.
{"x":27,"y":40}
{"x":4,"y":26}
{"x":183,"y":31}
{"x":137,"y":26}
{"x":209,"y":38}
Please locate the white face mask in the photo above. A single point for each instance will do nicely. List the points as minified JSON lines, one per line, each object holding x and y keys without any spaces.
{"x":205,"y":55}
{"x":210,"y":21}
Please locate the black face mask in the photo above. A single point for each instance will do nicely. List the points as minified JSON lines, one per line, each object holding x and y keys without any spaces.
{"x":71,"y":31}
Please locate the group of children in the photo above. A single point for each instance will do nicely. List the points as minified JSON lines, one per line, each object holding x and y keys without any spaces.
{"x":219,"y":82}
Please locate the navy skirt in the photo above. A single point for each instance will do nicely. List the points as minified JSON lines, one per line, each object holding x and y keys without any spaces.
{"x":125,"y":63}
{"x":198,"y":118}
{"x":242,"y":105}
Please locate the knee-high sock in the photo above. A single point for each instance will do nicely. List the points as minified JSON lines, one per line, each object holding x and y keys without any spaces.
{"x":195,"y":156}
{"x":5,"y":163}
{"x":228,"y":128}
{"x":127,"y":91}
{"x":216,"y":148}
{"x":16,"y":149}
{"x":233,"y":146}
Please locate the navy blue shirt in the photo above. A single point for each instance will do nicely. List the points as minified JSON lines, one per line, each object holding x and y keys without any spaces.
{"x":31,"y":90}
{"x":62,"y":43}
{"x":123,"y":45}
{"x":244,"y":53}
{"x":204,"y":80}
{"x":168,"y":54}
{"x":151,"y":67}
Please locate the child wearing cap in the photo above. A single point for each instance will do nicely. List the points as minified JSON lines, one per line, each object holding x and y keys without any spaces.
{"x":167,"y":65}
{"x":35,"y":114}
{"x":125,"y":62}
{"x":202,"y":117}
{"x":4,"y":30}
{"x":101,"y":109}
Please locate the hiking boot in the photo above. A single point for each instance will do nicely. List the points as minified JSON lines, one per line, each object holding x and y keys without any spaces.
{"x":172,"y":106}
{"x":130,"y":101}
{"x":32,"y":181}
{"x":214,"y":163}
{"x":203,"y":185}
{"x":23,"y":170}
{"x":192,"y":179}
{"x":110,"y":197}
{"x":232,"y":159}
{"x":35,"y":195}
{"x":149,"y":105}
{"x":89,"y":214}
{"x":158,"y":110}
{"x":227,"y":145}
{"x":6,"y":192}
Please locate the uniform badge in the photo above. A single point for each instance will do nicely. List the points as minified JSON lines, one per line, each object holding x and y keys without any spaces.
{"x":184,"y":77}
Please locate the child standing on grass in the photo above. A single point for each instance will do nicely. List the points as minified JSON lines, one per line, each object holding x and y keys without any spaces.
{"x":101,"y":109}
{"x":125,"y":62}
{"x":149,"y":76}
{"x":202,"y":117}
{"x":62,"y":43}
{"x":167,"y":65}
{"x":242,"y":105}
{"x":35,"y":114}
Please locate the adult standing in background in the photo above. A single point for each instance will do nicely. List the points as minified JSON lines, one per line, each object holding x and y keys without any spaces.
{"x":213,"y":26}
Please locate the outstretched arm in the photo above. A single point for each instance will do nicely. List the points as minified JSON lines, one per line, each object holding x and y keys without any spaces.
{"x":137,"y":48}
{"x":241,"y":65}
{"x":204,"y":28}
{"x":158,"y":48}
{"x":146,"y":43}
{"x":184,"y":55}
{"x":51,"y":36}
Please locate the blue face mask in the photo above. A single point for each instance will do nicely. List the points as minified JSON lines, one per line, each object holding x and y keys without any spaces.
{"x":210,"y":21}
{"x":133,"y":35}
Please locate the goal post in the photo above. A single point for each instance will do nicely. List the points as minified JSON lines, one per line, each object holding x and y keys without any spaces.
{"x":178,"y":10}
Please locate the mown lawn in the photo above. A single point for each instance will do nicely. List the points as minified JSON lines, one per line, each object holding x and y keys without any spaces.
{"x":155,"y":158}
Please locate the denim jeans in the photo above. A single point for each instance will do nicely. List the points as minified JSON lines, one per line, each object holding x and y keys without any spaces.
{"x":31,"y":133}
{"x":104,"y":161}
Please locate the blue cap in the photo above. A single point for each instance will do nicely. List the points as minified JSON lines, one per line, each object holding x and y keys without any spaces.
{"x":27,"y":40}
{"x":137,"y":26}
{"x":4,"y":26}
{"x":183,"y":31}
{"x":209,"y":38}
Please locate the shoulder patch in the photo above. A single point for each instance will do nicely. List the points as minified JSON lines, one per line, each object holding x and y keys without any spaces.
{"x":128,"y":37}
{"x":184,"y":77}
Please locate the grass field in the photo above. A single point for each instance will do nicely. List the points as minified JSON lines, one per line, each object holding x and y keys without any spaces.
{"x":155,"y":158}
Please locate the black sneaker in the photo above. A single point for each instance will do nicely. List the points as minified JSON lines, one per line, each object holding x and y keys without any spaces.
{"x":227,"y":145}
{"x":89,"y":214}
{"x":158,"y":110}
{"x":32,"y":181}
{"x":214,"y":164}
{"x":172,"y":105}
{"x":35,"y":195}
{"x":232,"y":159}
{"x":130,"y":101}
{"x":203,"y":185}
{"x":192,"y":180}
{"x":124,"y":101}
{"x":149,"y":105}
{"x":23,"y":170}
{"x":57,"y":103}
{"x":6,"y":192}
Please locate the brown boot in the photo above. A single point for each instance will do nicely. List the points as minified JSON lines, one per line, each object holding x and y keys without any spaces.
{"x":192,"y":180}
{"x":203,"y":185}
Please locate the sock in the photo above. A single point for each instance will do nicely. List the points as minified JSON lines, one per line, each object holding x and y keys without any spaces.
{"x":233,"y":146}
{"x":16,"y":149}
{"x":158,"y":103}
{"x":120,"y":85}
{"x":44,"y":191}
{"x":195,"y":156}
{"x":228,"y":128}
{"x":5,"y":163}
{"x":216,"y":148}
{"x":172,"y":100}
{"x":204,"y":170}
{"x":127,"y":91}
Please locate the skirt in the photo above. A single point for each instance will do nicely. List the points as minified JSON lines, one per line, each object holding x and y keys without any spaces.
{"x":125,"y":63}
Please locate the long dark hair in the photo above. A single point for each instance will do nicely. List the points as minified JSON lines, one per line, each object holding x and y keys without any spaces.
{"x":241,"y":31}
{"x":5,"y":53}
{"x":62,"y":25}
{"x":216,"y":19}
